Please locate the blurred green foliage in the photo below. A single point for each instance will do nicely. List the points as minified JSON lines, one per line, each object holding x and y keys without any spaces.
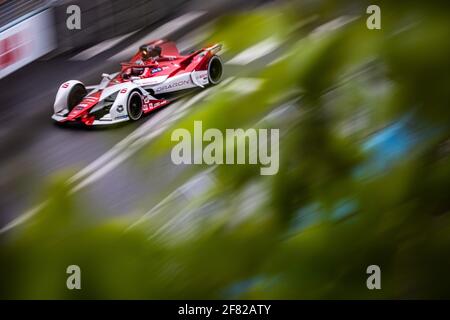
{"x":345,"y":84}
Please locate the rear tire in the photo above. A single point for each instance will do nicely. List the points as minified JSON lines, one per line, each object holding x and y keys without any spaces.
{"x":215,"y":70}
{"x":76,"y":94}
{"x":134,"y":106}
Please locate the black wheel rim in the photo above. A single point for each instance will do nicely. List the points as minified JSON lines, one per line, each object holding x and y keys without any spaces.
{"x":135,"y":107}
{"x":215,"y":70}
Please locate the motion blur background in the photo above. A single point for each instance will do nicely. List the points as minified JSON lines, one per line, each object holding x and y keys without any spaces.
{"x":364,"y":154}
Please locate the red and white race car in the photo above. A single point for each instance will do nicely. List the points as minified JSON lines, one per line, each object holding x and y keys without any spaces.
{"x":154,"y":77}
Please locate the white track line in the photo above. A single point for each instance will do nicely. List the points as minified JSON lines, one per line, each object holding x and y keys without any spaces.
{"x":23,"y":218}
{"x":255,"y":52}
{"x":99,"y":48}
{"x":245,"y":85}
{"x":159,"y":33}
{"x":332,"y":25}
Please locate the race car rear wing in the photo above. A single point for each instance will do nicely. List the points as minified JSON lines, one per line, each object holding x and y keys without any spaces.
{"x":213,"y":49}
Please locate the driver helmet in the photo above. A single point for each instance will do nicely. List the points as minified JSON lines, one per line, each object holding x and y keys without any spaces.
{"x":150,"y":52}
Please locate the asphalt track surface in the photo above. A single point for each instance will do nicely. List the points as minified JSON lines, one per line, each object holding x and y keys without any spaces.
{"x":33,"y":148}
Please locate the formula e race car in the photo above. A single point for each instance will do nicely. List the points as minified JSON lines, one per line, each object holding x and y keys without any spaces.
{"x":154,"y":77}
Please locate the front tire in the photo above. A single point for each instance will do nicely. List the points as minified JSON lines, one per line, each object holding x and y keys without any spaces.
{"x":76,"y":94}
{"x":134,"y":106}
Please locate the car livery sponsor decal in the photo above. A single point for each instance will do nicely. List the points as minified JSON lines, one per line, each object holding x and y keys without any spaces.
{"x":150,"y":104}
{"x":200,"y":77}
{"x":84,"y":105}
{"x":155,"y":70}
{"x":178,"y":84}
